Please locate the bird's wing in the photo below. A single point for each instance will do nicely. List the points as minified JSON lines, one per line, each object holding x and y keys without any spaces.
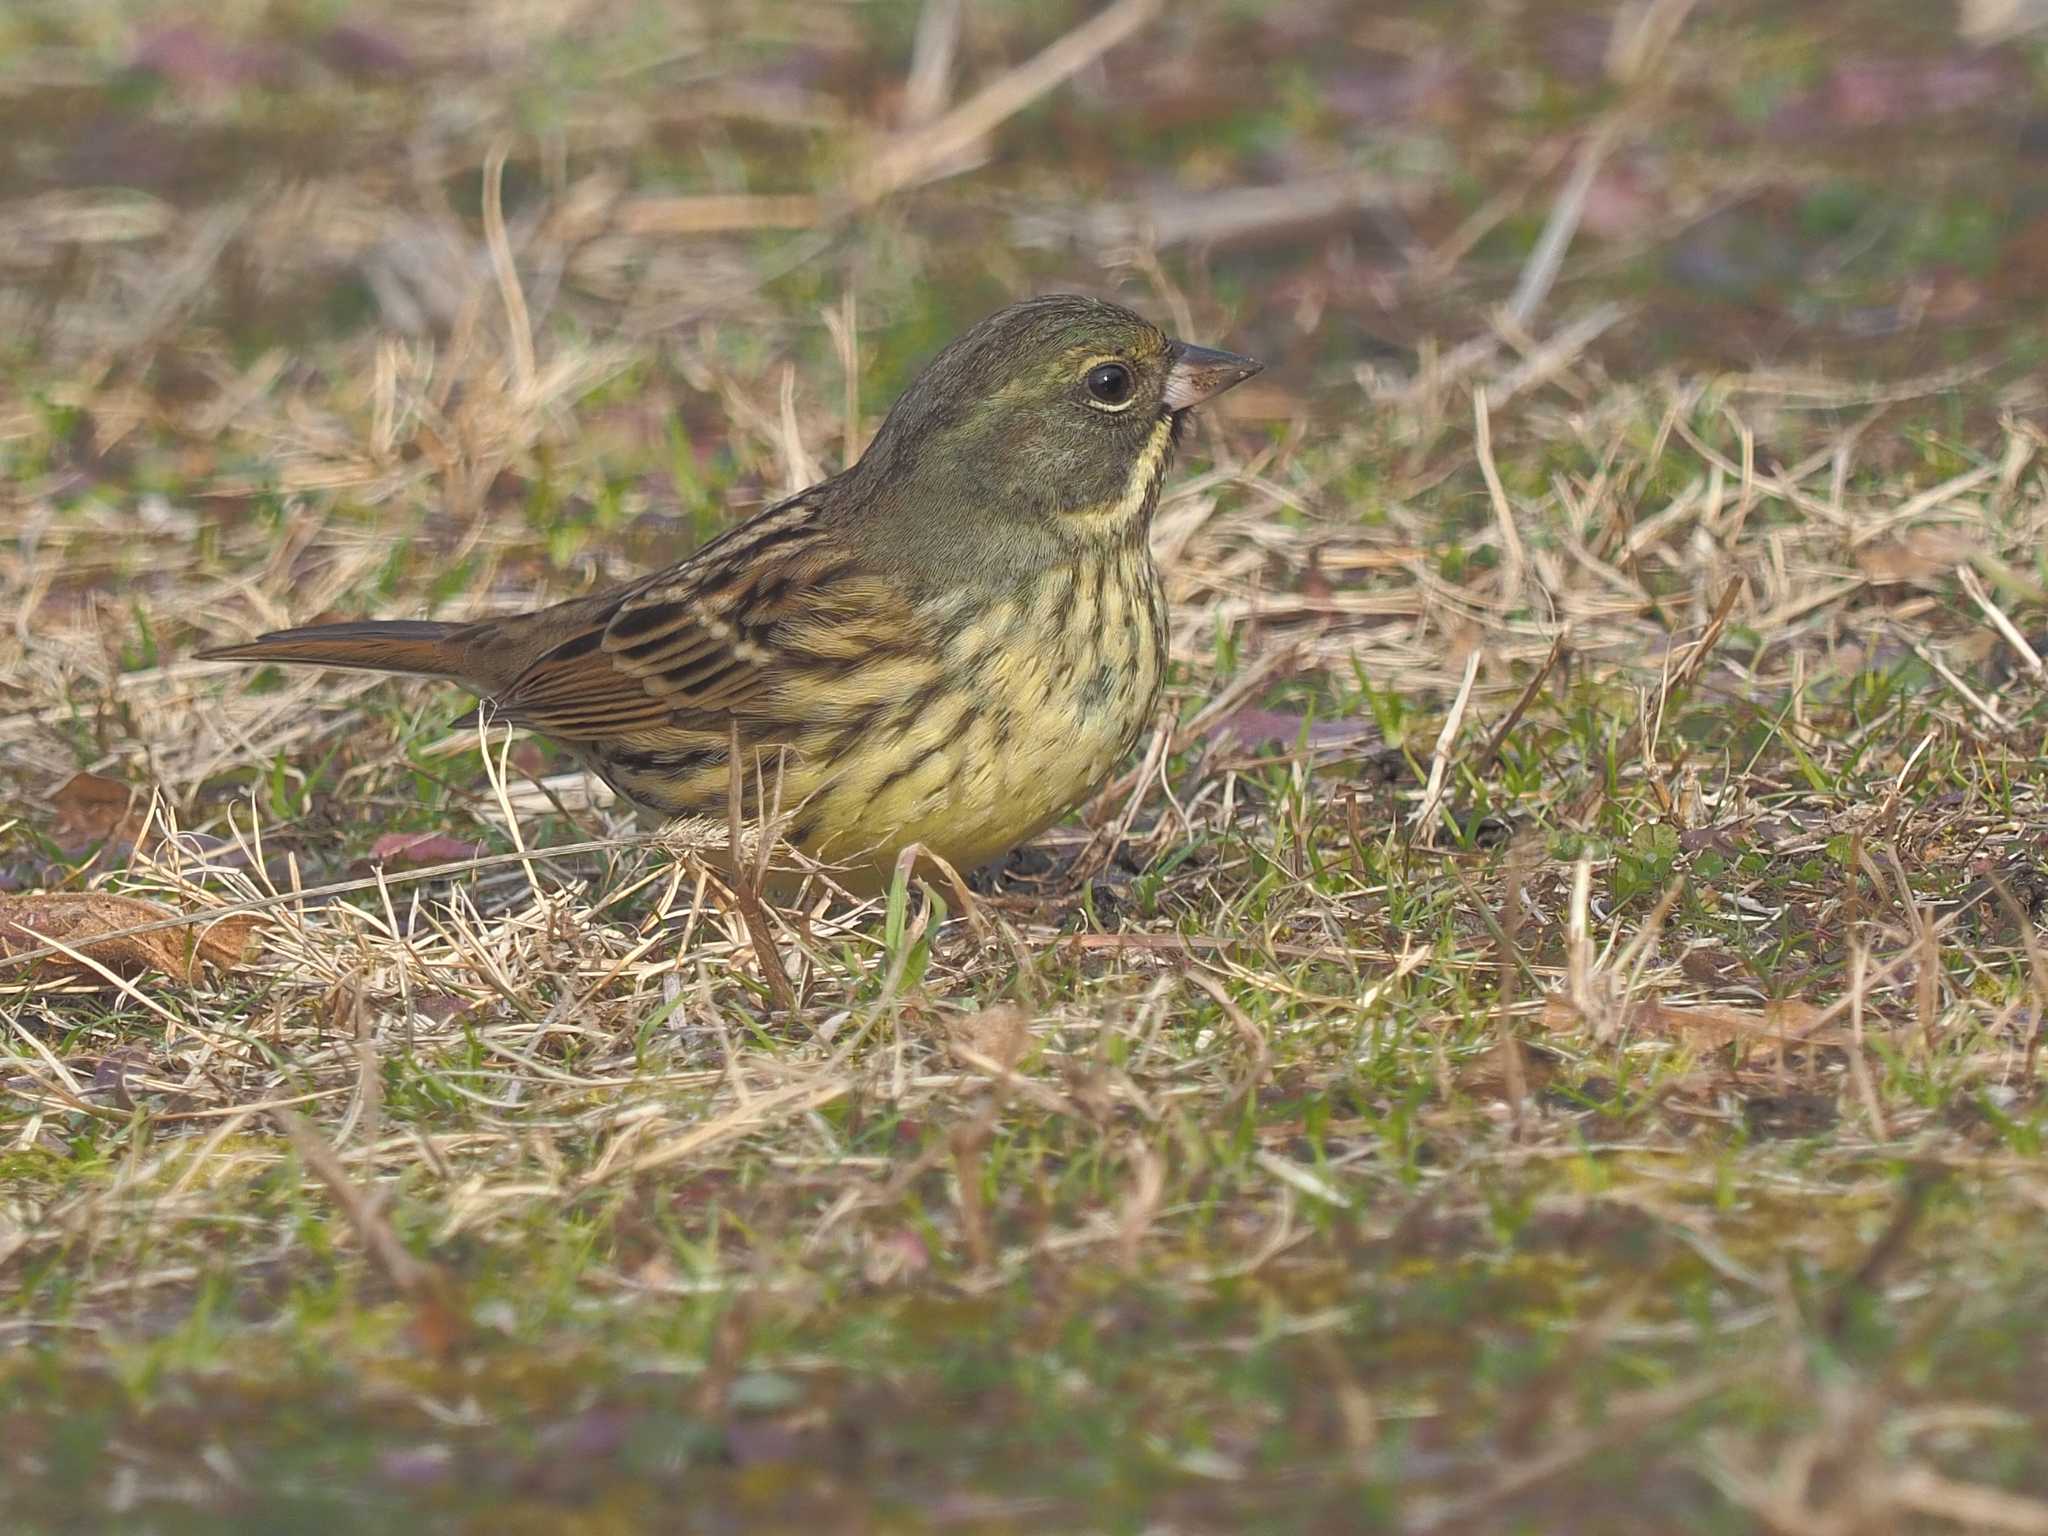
{"x":709,"y":641}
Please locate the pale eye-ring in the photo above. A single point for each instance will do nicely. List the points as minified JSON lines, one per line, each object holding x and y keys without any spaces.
{"x":1110,"y":386}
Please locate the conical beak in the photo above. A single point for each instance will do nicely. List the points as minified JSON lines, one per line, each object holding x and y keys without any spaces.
{"x":1199,"y":372}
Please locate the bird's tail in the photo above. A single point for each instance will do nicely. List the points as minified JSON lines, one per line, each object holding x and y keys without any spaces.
{"x":373,"y":645}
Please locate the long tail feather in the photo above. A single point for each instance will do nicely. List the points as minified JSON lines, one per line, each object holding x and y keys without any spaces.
{"x":373,"y":645}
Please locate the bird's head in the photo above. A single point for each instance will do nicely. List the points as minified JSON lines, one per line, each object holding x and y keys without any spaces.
{"x":1057,"y":414}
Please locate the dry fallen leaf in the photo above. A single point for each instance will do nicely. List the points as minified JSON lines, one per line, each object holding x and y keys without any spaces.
{"x":1000,"y":1032}
{"x":1713,"y":1025}
{"x":90,"y":922}
{"x":1314,"y":584}
{"x":418,"y":848}
{"x":1253,"y":727}
{"x":1919,"y":555}
{"x":92,"y":807}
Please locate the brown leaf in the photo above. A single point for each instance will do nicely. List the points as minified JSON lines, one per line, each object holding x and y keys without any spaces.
{"x":1726,"y":838}
{"x":1621,"y":204}
{"x":1713,"y":967}
{"x":366,"y":55}
{"x":442,"y":1006}
{"x":1000,"y":1032}
{"x":90,"y":922}
{"x":110,"y":1075}
{"x":198,"y":58}
{"x":91,"y":808}
{"x":1787,"y":1022}
{"x":1253,"y":727}
{"x":418,"y":848}
{"x":1314,"y":584}
{"x":1922,"y":554}
{"x":1789,"y":1115}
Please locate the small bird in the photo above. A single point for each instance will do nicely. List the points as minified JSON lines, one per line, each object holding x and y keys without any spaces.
{"x":952,"y":642}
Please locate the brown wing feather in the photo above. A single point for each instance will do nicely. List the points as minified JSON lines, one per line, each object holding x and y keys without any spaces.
{"x":691,"y":646}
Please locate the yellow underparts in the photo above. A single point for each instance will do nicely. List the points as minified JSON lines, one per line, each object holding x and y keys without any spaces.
{"x":1023,"y":732}
{"x":1025,"y":710}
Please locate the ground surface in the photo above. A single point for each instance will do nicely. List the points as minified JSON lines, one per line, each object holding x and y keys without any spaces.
{"x":1544,"y":1039}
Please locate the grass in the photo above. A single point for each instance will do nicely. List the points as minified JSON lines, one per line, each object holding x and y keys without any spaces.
{"x":1547,"y":1031}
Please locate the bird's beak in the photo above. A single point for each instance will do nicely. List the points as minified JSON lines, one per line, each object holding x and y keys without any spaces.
{"x":1199,"y":372}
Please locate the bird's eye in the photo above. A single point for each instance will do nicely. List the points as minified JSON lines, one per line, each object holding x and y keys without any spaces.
{"x":1110,"y":385}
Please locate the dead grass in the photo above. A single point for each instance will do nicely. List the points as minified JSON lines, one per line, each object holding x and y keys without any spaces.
{"x":1547,"y":1028}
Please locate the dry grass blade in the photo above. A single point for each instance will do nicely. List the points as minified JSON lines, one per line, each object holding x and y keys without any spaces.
{"x":518,"y":324}
{"x":1515,"y":558}
{"x":932,"y":49}
{"x":1885,"y":1251}
{"x":445,"y":871}
{"x":1676,"y":681}
{"x":408,"y":1275}
{"x":1627,"y":1420}
{"x":2007,"y":630}
{"x":1161,"y":220}
{"x":716,"y":213}
{"x":1973,"y":1506}
{"x":1539,"y":272}
{"x":1491,"y":753}
{"x":919,"y":154}
{"x":747,"y":875}
{"x":1440,"y":759}
{"x":760,"y":1112}
{"x":1247,"y":1141}
{"x":1253,"y":1037}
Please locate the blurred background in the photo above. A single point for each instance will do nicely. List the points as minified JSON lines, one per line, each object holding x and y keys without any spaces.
{"x":201,"y":206}
{"x":312,"y":309}
{"x":1645,"y":480}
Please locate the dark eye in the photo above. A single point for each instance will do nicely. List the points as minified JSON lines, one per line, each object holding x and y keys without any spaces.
{"x":1110,"y":384}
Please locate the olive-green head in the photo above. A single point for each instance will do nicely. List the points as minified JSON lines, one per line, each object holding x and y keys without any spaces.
{"x":1060,"y":411}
